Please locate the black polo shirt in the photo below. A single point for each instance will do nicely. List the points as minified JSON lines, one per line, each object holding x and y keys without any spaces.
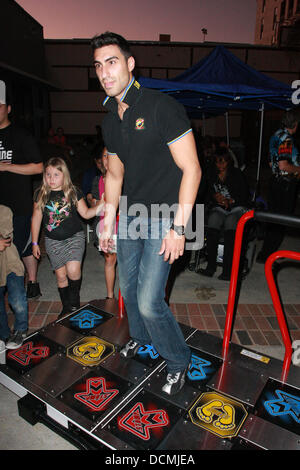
{"x":141,"y":140}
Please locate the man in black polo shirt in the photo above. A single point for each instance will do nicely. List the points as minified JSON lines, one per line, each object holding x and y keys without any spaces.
{"x":153,"y":163}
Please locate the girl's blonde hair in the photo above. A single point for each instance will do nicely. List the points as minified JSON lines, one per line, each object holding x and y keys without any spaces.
{"x":68,"y":187}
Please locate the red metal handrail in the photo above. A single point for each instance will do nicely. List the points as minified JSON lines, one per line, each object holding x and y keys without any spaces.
{"x":272,"y":287}
{"x":234,"y":278}
{"x":121,"y":305}
{"x":277,"y":304}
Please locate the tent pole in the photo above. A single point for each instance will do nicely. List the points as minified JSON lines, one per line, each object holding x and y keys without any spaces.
{"x":259,"y":149}
{"x":227,"y":128}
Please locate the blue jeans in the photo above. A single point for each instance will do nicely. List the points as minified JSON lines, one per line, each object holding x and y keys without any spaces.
{"x":143,"y":275}
{"x":18,"y":301}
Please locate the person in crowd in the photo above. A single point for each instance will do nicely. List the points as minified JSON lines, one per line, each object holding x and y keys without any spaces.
{"x":12,"y":281}
{"x":60,"y":138}
{"x":61,"y":141}
{"x":285,"y":165}
{"x":152,"y":161}
{"x":91,"y":173}
{"x":56,"y":206}
{"x":51,"y":136}
{"x":223,"y":144}
{"x":226,"y":198}
{"x":207,"y":148}
{"x":99,"y":139}
{"x":110,"y":259}
{"x":20,"y":159}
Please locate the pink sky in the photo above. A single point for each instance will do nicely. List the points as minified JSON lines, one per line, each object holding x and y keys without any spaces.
{"x":225,"y":20}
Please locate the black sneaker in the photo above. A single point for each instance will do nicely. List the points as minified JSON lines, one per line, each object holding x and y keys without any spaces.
{"x":33,"y":290}
{"x":130,"y":349}
{"x":174,"y":382}
{"x":15,"y":340}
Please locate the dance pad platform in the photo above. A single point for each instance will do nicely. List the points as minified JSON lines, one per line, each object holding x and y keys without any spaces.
{"x":71,"y":377}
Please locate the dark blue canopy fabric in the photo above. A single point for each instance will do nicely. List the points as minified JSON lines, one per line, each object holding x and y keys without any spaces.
{"x":222,"y":81}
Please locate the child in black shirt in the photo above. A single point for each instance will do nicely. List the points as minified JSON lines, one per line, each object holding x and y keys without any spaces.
{"x":57,"y":204}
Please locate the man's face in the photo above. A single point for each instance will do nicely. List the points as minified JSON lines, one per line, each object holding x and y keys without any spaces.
{"x":113,"y":70}
{"x":4,"y":112}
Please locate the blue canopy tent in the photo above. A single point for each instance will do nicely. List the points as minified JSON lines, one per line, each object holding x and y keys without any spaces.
{"x":221,"y":82}
{"x":223,"y":77}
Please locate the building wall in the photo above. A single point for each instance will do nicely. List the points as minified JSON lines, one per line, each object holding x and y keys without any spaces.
{"x":22,"y":67}
{"x":77,"y":105}
{"x":21,"y":39}
{"x":275,"y":22}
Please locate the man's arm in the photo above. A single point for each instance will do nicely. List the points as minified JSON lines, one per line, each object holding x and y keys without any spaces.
{"x":113,"y":187}
{"x":26,"y":169}
{"x":185,"y":156}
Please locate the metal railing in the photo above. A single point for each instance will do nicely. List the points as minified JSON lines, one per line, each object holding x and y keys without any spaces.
{"x":269,"y":218}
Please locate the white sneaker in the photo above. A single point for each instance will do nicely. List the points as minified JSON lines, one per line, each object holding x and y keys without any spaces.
{"x":130,"y":349}
{"x":15,"y":340}
{"x":174,"y":382}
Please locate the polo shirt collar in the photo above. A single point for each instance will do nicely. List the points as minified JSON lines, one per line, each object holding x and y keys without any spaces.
{"x":129,"y":97}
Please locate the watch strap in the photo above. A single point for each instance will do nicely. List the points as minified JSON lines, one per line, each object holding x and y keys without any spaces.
{"x":179,"y":229}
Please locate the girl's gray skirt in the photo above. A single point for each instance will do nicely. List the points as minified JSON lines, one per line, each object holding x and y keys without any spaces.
{"x":60,"y":252}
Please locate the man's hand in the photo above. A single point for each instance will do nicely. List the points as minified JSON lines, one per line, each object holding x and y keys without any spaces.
{"x":172,"y":246}
{"x":36,"y":251}
{"x":4,"y":243}
{"x":106,"y":243}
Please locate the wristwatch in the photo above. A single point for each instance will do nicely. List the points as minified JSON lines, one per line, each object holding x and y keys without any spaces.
{"x":179,"y":229}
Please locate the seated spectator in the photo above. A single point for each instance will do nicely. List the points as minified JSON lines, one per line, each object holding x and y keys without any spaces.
{"x":223,"y":144}
{"x":12,"y":280}
{"x":226,"y":198}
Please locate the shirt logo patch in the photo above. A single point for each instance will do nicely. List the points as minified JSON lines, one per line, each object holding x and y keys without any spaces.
{"x":139,"y":124}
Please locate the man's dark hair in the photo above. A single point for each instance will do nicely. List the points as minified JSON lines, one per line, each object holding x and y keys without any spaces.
{"x":289,"y":119}
{"x":108,"y":39}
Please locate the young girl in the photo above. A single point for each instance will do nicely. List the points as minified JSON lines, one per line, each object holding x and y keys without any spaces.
{"x":98,"y":187}
{"x":56,"y":206}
